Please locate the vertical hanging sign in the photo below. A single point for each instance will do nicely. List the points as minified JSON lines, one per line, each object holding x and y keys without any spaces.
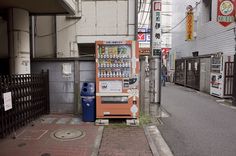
{"x":225,"y":12}
{"x":189,"y":23}
{"x":156,"y":28}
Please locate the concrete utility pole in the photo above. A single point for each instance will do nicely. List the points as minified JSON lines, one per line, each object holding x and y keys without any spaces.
{"x":155,"y":60}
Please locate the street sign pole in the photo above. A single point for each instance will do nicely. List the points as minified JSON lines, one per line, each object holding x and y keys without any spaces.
{"x":155,"y":59}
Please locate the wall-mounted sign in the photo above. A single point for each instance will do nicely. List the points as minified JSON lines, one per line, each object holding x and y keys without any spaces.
{"x":189,"y":25}
{"x":142,"y":34}
{"x":156,"y":28}
{"x":225,"y":12}
{"x":144,"y":51}
{"x":7,"y":101}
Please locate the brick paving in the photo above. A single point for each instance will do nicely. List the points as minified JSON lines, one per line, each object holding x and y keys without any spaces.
{"x":37,"y":141}
{"x":124,"y":141}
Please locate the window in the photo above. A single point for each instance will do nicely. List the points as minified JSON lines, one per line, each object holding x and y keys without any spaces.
{"x":207,"y":10}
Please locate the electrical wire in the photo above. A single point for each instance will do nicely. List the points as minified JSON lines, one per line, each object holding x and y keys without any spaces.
{"x":53,"y":33}
{"x":147,"y":15}
{"x":197,"y":3}
{"x":141,"y":16}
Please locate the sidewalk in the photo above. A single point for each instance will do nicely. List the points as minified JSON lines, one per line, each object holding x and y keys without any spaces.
{"x":67,"y":135}
{"x":52,"y":135}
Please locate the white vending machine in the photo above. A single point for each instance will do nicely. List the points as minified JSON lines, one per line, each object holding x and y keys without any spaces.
{"x":221,"y":75}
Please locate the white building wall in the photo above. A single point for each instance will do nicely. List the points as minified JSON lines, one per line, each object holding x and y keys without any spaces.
{"x":106,"y":20}
{"x":211,"y":37}
{"x":99,"y":20}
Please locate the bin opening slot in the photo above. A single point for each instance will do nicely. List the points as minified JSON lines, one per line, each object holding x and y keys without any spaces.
{"x":114,"y":99}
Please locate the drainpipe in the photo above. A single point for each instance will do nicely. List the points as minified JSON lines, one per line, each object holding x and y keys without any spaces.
{"x":136,"y":20}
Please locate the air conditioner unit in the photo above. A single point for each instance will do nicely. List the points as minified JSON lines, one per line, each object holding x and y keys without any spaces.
{"x":78,"y":11}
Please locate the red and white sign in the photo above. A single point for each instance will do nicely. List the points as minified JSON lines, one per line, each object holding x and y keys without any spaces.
{"x":157,"y":6}
{"x":141,"y":35}
{"x":165,"y":51}
{"x":225,"y":12}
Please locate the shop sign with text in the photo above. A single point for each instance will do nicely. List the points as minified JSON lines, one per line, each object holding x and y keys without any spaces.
{"x":225,"y":12}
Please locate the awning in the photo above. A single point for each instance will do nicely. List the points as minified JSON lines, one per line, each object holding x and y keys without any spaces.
{"x":41,"y":6}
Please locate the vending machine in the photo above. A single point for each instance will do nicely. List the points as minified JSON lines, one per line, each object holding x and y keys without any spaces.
{"x":117,"y":79}
{"x":221,"y":75}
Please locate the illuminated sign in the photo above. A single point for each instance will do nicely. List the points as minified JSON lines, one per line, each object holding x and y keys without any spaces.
{"x":189,"y":25}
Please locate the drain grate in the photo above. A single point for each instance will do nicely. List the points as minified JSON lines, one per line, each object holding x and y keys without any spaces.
{"x":67,"y":134}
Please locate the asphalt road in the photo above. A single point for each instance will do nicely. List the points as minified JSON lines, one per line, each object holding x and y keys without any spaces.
{"x":198,"y":125}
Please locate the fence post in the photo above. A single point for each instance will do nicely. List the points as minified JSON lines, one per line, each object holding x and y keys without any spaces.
{"x":47,"y":88}
{"x":234,"y":82}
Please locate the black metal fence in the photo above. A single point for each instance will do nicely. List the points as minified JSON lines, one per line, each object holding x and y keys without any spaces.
{"x":30,"y":100}
{"x":229,"y":78}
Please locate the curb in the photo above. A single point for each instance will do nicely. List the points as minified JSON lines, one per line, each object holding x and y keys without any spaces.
{"x":97,"y":142}
{"x":156,"y":142}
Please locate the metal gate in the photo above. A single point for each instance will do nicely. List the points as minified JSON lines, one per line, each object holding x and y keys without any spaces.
{"x":229,"y":78}
{"x":180,"y":75}
{"x":193,"y":73}
{"x":30,"y":100}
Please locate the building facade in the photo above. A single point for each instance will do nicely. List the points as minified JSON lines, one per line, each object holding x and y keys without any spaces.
{"x":66,"y":45}
{"x":209,"y":37}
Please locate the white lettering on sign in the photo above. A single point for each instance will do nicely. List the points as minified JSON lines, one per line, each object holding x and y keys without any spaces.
{"x":7,"y":101}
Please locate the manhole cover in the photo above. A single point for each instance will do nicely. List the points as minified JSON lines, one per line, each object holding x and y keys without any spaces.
{"x":67,"y":134}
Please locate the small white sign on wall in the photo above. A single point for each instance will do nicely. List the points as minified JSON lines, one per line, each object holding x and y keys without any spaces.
{"x":7,"y":101}
{"x":66,"y":69}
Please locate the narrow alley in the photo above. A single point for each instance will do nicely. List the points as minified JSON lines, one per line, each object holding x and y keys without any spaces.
{"x":198,"y":125}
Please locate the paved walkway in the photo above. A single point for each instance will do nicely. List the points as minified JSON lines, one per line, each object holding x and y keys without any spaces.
{"x":44,"y":138}
{"x":67,"y":135}
{"x":124,"y":141}
{"x":198,"y":125}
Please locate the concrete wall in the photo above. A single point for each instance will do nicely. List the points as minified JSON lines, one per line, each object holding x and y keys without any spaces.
{"x":61,"y":86}
{"x":211,"y":37}
{"x":44,"y":37}
{"x":99,"y":20}
{"x":106,"y":20}
{"x":65,"y":89}
{"x":3,"y":39}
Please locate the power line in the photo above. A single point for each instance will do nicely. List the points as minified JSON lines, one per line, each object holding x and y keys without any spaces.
{"x":197,"y":3}
{"x":53,"y":33}
{"x":147,"y":15}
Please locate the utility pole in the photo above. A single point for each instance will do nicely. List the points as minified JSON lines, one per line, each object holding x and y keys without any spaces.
{"x":155,"y":59}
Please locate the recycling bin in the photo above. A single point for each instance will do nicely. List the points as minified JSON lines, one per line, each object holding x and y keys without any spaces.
{"x":88,"y":108}
{"x":88,"y":89}
{"x":88,"y":102}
